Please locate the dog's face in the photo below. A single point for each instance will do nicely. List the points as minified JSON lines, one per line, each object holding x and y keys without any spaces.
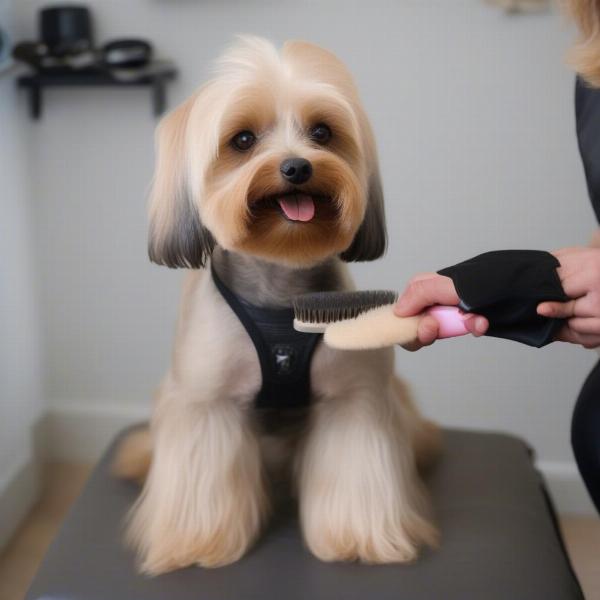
{"x":274,"y":157}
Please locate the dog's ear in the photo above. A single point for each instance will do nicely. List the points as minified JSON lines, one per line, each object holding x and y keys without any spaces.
{"x":176,"y":237}
{"x":371,"y":239}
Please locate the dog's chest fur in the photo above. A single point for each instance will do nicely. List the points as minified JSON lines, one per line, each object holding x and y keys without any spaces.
{"x":214,"y":357}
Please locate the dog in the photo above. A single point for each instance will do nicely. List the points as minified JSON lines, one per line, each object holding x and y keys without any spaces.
{"x":266,"y":184}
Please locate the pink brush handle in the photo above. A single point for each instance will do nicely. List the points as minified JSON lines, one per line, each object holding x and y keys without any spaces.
{"x":451,"y":320}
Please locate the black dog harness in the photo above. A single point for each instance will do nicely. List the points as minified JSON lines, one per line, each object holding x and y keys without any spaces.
{"x":284,"y":354}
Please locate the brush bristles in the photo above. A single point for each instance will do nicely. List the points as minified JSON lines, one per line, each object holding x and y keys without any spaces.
{"x":328,"y":307}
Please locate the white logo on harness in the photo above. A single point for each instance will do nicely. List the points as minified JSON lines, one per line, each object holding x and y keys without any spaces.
{"x":284,"y":359}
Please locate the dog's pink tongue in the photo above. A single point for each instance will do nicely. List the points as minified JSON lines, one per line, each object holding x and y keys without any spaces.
{"x":297,"y":207}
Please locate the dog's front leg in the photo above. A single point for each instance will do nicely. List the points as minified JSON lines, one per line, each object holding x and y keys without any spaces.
{"x":360,"y":495}
{"x":204,"y":499}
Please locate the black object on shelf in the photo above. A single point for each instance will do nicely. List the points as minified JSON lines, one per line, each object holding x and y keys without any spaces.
{"x":127,"y":53}
{"x":66,"y":29}
{"x":155,"y":76}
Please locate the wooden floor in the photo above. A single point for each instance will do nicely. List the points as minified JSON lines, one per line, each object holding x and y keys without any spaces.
{"x":63,"y":482}
{"x":23,"y":554}
{"x":582,"y":537}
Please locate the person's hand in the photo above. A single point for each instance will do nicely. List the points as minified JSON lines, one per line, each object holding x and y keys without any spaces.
{"x":424,"y":291}
{"x":579,"y":274}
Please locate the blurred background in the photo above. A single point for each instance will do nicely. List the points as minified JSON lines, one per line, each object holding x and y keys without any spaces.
{"x":473,"y":111}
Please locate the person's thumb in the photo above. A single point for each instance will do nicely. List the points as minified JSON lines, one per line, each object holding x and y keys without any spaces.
{"x":426,"y":292}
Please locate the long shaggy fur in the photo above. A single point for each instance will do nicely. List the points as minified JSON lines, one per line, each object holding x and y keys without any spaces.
{"x":210,"y":460}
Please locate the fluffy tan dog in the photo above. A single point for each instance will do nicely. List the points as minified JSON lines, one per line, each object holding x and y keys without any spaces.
{"x":270,"y":170}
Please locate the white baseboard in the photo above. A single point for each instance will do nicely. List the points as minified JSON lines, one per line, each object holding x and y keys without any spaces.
{"x":566,"y":487}
{"x":17,"y":496}
{"x":81,"y":434}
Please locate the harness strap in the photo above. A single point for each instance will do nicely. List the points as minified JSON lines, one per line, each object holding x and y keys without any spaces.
{"x":284,"y":354}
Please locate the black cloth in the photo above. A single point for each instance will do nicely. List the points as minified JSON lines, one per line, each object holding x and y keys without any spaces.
{"x":585,"y":424}
{"x":506,"y":286}
{"x":284,"y":354}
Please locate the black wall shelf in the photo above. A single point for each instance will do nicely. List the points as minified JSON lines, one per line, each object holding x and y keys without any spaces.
{"x":156,"y":80}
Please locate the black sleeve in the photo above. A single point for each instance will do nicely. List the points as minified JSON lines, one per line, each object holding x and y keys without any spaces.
{"x":505,"y":287}
{"x":587,"y":112}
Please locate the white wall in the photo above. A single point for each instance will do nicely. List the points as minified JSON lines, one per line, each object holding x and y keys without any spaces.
{"x":473,"y":112}
{"x":20,"y":370}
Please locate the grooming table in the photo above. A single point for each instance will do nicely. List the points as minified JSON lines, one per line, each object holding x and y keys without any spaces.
{"x":499,"y":542}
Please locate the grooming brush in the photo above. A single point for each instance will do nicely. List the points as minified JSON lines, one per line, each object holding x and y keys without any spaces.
{"x":365,"y":319}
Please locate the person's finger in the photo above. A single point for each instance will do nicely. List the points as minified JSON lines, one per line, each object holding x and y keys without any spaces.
{"x":427,"y":333}
{"x":426,"y":292}
{"x":477,"y":325}
{"x":586,"y":306}
{"x":578,"y":273}
{"x":576,"y":284}
{"x":557,"y":310}
{"x":585,"y":325}
{"x":566,"y":334}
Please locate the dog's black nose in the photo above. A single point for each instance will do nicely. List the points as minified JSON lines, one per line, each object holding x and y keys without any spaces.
{"x":296,"y":170}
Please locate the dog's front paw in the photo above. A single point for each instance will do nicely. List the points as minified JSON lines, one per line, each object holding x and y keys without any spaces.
{"x":369,"y":538}
{"x":364,"y":505}
{"x":191,"y":526}
{"x":177,"y":551}
{"x":207,"y":540}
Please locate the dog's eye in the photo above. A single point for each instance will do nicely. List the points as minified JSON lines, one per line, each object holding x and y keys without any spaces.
{"x":320,"y":133}
{"x":244,"y":140}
